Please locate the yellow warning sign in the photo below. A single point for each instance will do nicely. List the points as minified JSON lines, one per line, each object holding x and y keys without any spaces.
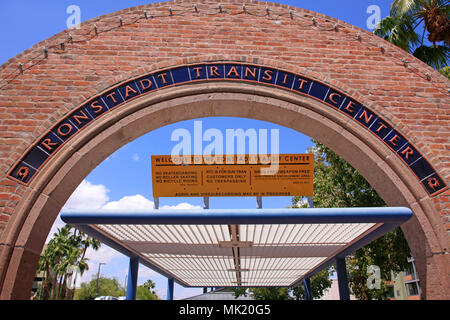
{"x":233,"y":175}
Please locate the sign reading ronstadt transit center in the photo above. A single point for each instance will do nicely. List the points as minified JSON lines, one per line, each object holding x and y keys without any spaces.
{"x":233,"y":176}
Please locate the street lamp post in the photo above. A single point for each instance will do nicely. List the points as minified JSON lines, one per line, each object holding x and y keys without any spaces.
{"x":98,"y":276}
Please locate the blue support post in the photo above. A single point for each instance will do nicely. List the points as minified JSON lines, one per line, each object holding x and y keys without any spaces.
{"x":132,"y":278}
{"x":344,"y":292}
{"x":258,"y":202}
{"x":307,"y":283}
{"x":206,"y":207}
{"x":170,"y":289}
{"x":310,"y":202}
{"x":205,"y":202}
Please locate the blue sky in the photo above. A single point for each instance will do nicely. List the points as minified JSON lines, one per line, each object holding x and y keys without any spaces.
{"x":124,"y":179}
{"x":29,"y":22}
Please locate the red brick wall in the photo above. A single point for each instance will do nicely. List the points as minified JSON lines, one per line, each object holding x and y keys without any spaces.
{"x":49,"y":87}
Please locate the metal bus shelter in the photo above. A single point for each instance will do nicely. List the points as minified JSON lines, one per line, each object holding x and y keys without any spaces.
{"x":238,"y":247}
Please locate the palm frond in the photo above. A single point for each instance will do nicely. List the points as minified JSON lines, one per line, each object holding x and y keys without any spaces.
{"x":417,"y":9}
{"x":398,"y":30}
{"x":436,"y":55}
{"x":402,"y":7}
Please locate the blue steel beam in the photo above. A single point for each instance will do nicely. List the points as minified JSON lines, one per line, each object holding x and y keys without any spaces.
{"x":240,"y":216}
{"x":307,"y":284}
{"x":132,"y":279}
{"x":170,"y":289}
{"x":341,"y":270}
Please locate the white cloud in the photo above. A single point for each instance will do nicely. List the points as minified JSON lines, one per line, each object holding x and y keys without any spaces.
{"x":136,"y":157}
{"x":85,"y":196}
{"x":145,"y":273}
{"x":182,"y":206}
{"x":130,"y":202}
{"x":95,"y":196}
{"x":103,"y":254}
{"x":88,"y":196}
{"x":138,"y":201}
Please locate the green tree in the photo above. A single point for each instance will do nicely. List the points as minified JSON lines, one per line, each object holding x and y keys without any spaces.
{"x":64,"y":254}
{"x":146,"y":292}
{"x":44,"y":265}
{"x":338,"y":184}
{"x":106,"y":287}
{"x":270,"y":293}
{"x":408,"y":23}
{"x":61,"y":240}
{"x":389,"y":252}
{"x":445,"y":71}
{"x":319,"y":283}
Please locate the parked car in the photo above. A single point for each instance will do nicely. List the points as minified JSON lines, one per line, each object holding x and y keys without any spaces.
{"x":106,"y":298}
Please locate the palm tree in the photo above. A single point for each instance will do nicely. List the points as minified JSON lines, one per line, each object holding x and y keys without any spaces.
{"x":434,"y":13}
{"x":65,"y":268}
{"x":82,"y":243}
{"x":408,"y":17}
{"x":44,"y":265}
{"x":82,"y":267}
{"x":61,"y":243}
{"x":64,"y":251}
{"x":89,"y":242}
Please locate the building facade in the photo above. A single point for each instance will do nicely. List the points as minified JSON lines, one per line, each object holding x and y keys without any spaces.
{"x":404,"y":285}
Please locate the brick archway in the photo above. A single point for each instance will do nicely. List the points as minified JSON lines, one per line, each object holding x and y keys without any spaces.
{"x":410,"y":98}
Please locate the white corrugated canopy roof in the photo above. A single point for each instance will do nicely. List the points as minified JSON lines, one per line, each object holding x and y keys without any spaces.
{"x":230,"y":248}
